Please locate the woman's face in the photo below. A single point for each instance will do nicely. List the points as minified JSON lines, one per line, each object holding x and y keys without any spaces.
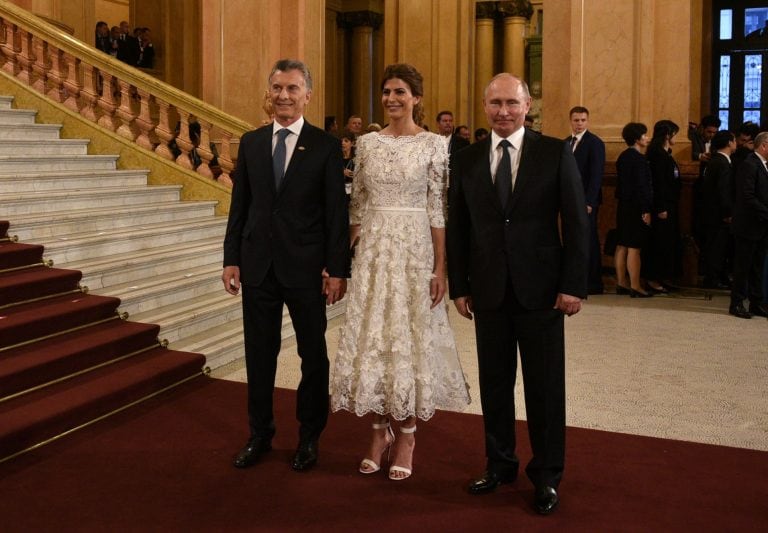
{"x":397,"y":99}
{"x":643,"y":141}
{"x":346,"y":144}
{"x":102,"y":30}
{"x":671,"y":139}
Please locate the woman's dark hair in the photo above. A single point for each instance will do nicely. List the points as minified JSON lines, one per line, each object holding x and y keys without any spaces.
{"x":411,"y":76}
{"x":663,"y":130}
{"x":632,"y":132}
{"x":348,"y":134}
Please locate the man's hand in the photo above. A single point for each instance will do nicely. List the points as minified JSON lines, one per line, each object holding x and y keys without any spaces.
{"x":589,"y":209}
{"x":570,"y":305}
{"x":231,"y":279}
{"x":464,"y":306}
{"x":333,"y":288}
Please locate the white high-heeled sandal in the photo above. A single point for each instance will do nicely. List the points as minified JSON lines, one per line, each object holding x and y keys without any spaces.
{"x":402,"y":469}
{"x":372,"y":466}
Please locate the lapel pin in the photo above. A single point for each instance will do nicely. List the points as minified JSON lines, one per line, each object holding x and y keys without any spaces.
{"x":300,"y":148}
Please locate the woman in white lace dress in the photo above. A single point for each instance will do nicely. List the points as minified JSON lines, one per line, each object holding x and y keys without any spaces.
{"x":397,"y":357}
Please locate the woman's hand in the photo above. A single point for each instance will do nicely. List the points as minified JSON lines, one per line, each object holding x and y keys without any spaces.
{"x":437,"y":288}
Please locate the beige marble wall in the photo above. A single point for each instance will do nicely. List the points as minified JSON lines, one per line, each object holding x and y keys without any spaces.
{"x":241,"y":41}
{"x":111,"y":11}
{"x":436,"y":37}
{"x":625,"y":60}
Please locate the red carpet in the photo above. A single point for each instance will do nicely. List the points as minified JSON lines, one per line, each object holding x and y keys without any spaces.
{"x":165,"y":466}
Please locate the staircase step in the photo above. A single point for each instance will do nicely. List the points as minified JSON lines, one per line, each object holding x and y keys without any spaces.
{"x":43,"y":147}
{"x":122,"y":268}
{"x":221,"y":345}
{"x":28,"y":321}
{"x":63,"y":223}
{"x":6,"y":102}
{"x":13,"y":254}
{"x":35,"y":364}
{"x":196,"y":314}
{"x":25,"y":203}
{"x":17,"y":116}
{"x":14,"y":164}
{"x":30,"y":131}
{"x":36,"y":282}
{"x":36,"y":417}
{"x":165,"y":289}
{"x":71,"y":180}
{"x":82,"y":246}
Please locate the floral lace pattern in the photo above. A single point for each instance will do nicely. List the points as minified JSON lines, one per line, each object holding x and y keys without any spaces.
{"x":396,"y":355}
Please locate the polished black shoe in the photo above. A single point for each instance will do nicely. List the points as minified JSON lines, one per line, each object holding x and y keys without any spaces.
{"x":546,"y":500}
{"x":305,"y":457}
{"x":251,"y":453}
{"x":758,"y":310}
{"x":739,"y":311}
{"x":637,"y":294}
{"x":622,"y":290}
{"x":489,"y":481}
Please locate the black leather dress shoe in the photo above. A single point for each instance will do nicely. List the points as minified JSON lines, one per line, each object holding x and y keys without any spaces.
{"x":251,"y":453}
{"x":546,"y":500}
{"x":489,"y":481}
{"x":305,"y":457}
{"x":739,"y":311}
{"x":758,"y":310}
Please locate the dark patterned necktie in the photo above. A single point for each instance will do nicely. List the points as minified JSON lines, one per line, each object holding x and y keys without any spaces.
{"x":504,"y":174}
{"x":574,"y":139}
{"x":278,"y":157}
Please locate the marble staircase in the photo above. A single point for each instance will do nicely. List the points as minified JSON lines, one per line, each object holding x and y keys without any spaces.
{"x":160,"y":256}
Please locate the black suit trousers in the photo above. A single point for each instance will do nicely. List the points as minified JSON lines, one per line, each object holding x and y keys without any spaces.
{"x":748,"y":263}
{"x":262,"y":319}
{"x":539,"y":335}
{"x":595,"y":273}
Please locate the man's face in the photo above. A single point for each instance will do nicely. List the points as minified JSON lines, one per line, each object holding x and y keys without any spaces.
{"x":355,"y":125}
{"x":463,"y":133}
{"x":708,"y":133}
{"x":445,"y":124}
{"x":579,"y":122}
{"x":288,"y":93}
{"x":762,"y":150}
{"x":124,"y":28}
{"x":746,"y":141}
{"x":506,"y":105}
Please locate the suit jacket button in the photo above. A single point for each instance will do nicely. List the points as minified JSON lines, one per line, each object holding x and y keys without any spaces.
{"x":506,"y":222}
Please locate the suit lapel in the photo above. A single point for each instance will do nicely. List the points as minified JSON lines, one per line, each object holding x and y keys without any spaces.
{"x":264,"y":147}
{"x":482,"y":170}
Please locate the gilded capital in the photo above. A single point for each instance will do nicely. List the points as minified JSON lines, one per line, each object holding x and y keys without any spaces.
{"x":515,"y":8}
{"x":485,"y":10}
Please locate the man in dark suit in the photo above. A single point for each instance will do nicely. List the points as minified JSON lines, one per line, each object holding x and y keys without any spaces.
{"x":517,"y":260}
{"x":127,"y":45}
{"x":287,"y":242}
{"x":453,"y":141}
{"x":750,"y":231}
{"x":716,"y":208}
{"x":589,"y":151}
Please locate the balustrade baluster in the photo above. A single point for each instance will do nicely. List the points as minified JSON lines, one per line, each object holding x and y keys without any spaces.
{"x":225,"y":159}
{"x":124,"y":112}
{"x":72,"y":82}
{"x":90,"y":92}
{"x":107,"y":102}
{"x":56,"y":75}
{"x":163,"y":130}
{"x":10,"y":48}
{"x":144,"y":121}
{"x":41,"y":65}
{"x":204,"y":150}
{"x":183,"y":141}
{"x":26,"y":57}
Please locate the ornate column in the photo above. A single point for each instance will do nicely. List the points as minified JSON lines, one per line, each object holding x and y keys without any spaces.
{"x":515,"y":15}
{"x":484,"y":60}
{"x":362,"y":24}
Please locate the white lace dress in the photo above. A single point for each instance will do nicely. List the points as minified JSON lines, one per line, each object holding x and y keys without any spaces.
{"x":396,"y":355}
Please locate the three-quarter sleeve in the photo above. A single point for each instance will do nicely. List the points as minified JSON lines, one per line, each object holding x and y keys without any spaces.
{"x":437,"y":182}
{"x":359,"y":197}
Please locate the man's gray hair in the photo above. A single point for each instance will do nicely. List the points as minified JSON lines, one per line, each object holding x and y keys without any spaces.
{"x":508,"y":75}
{"x":285,"y":65}
{"x":761,"y":139}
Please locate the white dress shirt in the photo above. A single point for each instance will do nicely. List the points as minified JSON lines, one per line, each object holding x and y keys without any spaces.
{"x":290,"y":140}
{"x":515,"y":151}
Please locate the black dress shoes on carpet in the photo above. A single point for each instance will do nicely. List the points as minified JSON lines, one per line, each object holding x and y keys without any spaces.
{"x":305,"y":457}
{"x":739,"y":311}
{"x":251,"y":453}
{"x":546,"y":500}
{"x":489,"y":481}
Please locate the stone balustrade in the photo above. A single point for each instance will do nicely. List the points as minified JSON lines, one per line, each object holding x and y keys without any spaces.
{"x":116,"y":96}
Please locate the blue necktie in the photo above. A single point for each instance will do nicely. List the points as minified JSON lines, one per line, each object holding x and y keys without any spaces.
{"x":278,"y":157}
{"x":504,"y":174}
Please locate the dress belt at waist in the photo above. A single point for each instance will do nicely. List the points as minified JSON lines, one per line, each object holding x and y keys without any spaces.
{"x":415,"y":209}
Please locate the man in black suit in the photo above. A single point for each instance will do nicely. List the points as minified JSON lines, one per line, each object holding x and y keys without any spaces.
{"x":750,"y":230}
{"x":716,"y":208}
{"x":517,"y":260}
{"x":589,"y":151}
{"x":287,"y":242}
{"x":453,"y":141}
{"x":127,"y":45}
